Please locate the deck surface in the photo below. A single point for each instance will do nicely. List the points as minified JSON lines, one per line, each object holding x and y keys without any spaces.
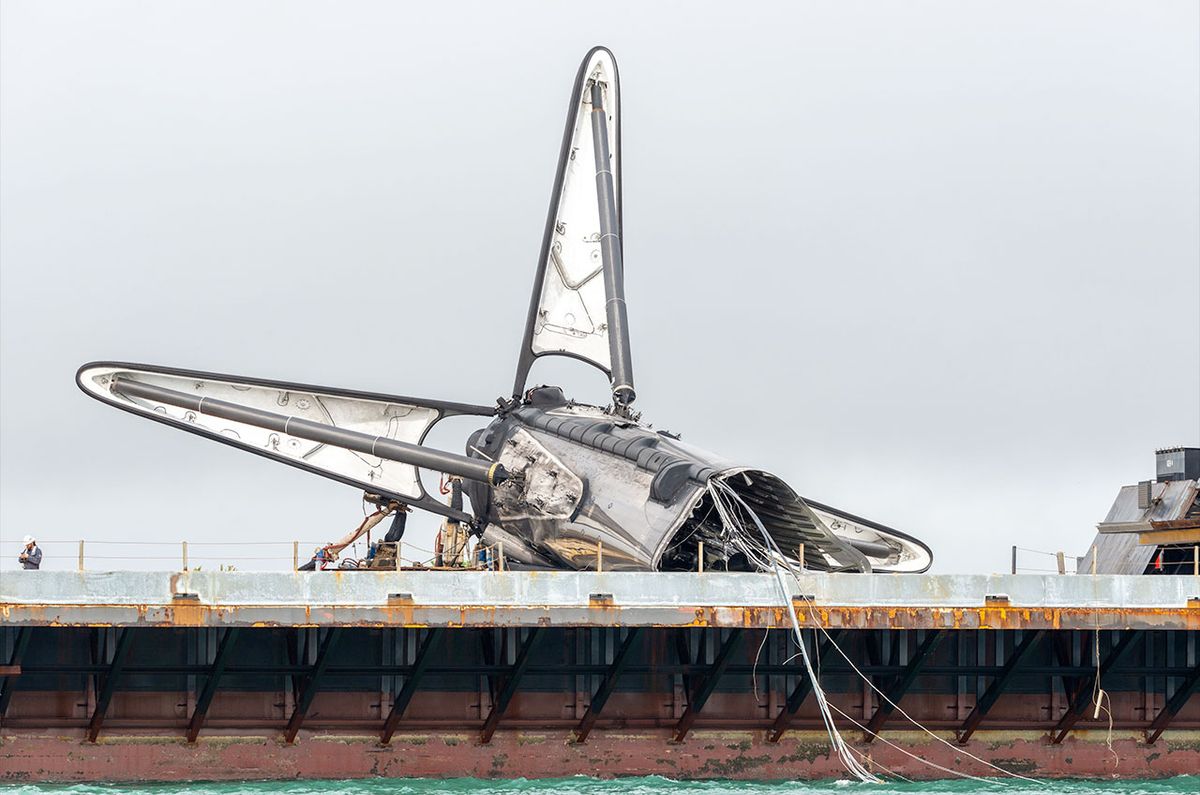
{"x":582,"y":599}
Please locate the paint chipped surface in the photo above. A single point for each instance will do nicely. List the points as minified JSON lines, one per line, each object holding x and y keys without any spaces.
{"x":704,"y":755}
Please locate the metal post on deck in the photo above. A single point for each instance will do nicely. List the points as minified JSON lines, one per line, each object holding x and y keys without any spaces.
{"x":1196,"y":560}
{"x":398,"y":564}
{"x":1093,"y":559}
{"x":500,"y":556}
{"x":801,"y":557}
{"x":700,"y":557}
{"x":295,"y":556}
{"x":1062,"y":562}
{"x":81,"y":554}
{"x":1014,"y":559}
{"x":599,"y":556}
{"x":185,"y":556}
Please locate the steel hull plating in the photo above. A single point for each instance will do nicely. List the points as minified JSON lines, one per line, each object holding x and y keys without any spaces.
{"x":109,"y":674}
{"x":736,"y":754}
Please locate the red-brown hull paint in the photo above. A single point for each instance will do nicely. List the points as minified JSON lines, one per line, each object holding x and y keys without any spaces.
{"x":65,"y":757}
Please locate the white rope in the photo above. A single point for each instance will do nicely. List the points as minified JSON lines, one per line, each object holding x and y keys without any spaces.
{"x":1099,"y":694}
{"x":921,"y":759}
{"x":844,"y":752}
{"x":778,"y":561}
{"x":911,"y":719}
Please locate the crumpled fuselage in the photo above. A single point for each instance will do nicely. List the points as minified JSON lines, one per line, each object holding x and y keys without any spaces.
{"x":589,"y":484}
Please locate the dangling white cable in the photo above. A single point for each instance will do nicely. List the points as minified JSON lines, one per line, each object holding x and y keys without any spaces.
{"x":957,"y":750}
{"x":923,"y":760}
{"x":838,"y":744}
{"x":775,"y":564}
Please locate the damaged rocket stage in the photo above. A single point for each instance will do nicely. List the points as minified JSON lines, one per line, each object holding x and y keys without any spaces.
{"x":553,"y":479}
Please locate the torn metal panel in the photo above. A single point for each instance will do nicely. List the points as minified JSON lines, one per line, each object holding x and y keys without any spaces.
{"x":583,"y":477}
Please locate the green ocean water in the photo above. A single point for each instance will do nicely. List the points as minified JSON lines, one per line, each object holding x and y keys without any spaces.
{"x":648,"y":785}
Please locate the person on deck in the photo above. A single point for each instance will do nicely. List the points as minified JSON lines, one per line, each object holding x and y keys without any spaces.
{"x":31,"y":555}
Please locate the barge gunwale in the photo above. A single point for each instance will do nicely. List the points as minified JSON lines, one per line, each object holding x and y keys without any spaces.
{"x":590,"y":599}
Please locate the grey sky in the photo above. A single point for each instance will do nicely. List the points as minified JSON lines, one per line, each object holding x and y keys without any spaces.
{"x":935,"y":263}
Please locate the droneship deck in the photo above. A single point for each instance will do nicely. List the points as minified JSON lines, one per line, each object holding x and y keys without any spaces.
{"x":175,"y":675}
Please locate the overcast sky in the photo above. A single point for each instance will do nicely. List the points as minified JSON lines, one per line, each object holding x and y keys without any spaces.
{"x":935,"y":263}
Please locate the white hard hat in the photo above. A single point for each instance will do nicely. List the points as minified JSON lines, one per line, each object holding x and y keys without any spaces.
{"x":29,"y":540}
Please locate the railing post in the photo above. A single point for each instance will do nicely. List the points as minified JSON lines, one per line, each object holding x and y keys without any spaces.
{"x":599,"y":556}
{"x":801,"y":557}
{"x":398,"y":564}
{"x":700,"y":557}
{"x":295,"y":556}
{"x":1014,"y":559}
{"x":500,"y":556}
{"x":185,"y":561}
{"x":81,"y":555}
{"x":1062,"y":562}
{"x":1196,"y":560}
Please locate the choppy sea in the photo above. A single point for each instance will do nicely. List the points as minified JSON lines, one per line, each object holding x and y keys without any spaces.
{"x":648,"y":785}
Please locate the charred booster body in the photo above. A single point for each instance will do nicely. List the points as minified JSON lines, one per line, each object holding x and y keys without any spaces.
{"x":561,"y":484}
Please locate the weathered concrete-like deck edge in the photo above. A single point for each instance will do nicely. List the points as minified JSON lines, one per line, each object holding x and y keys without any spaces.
{"x":478,"y":598}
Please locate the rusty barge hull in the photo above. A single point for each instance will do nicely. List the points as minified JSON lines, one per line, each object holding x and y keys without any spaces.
{"x":202,"y":675}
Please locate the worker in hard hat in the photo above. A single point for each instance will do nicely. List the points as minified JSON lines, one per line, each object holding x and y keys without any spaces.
{"x":31,"y":555}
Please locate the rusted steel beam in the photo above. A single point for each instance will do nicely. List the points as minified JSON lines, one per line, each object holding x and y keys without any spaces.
{"x":802,"y":689}
{"x":707,"y":685}
{"x":599,"y":670}
{"x":312,"y":684}
{"x":996,"y":688}
{"x":418,"y":615}
{"x":104,"y":697}
{"x":902,"y":684}
{"x":1084,"y":692}
{"x":220,"y":660}
{"x":1186,"y":689}
{"x":411,"y":682}
{"x":607,"y":686}
{"x":1189,"y":535}
{"x":511,"y":683}
{"x":7,"y":685}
